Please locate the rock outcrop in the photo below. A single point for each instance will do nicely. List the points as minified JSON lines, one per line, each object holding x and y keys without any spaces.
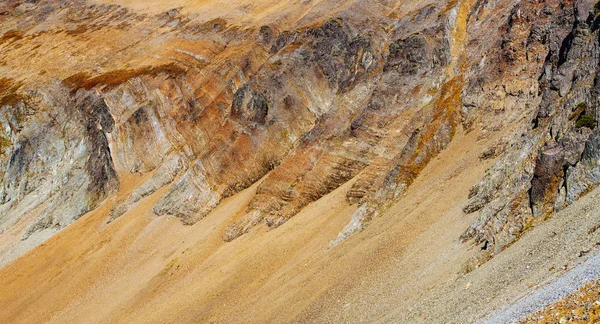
{"x":370,"y":92}
{"x":58,"y":159}
{"x":551,"y":165}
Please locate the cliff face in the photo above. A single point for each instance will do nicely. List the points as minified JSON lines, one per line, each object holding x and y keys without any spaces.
{"x":301,"y":99}
{"x":56,"y":160}
{"x":307,"y":103}
{"x":553,"y":163}
{"x":308,"y":106}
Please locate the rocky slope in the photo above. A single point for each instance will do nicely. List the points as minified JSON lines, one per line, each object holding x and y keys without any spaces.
{"x":167,"y":110}
{"x":582,"y":306}
{"x":555,"y":158}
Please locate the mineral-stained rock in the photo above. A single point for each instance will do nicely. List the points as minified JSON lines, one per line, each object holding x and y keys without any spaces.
{"x":358,"y":129}
{"x":192,"y":195}
{"x":369,"y":91}
{"x":584,"y":176}
{"x":546,"y":178}
{"x":76,"y":155}
{"x":249,"y":105}
{"x":171,"y":167}
{"x":554,"y":163}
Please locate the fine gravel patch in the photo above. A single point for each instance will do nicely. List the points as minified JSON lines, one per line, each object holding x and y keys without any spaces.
{"x":558,"y":289}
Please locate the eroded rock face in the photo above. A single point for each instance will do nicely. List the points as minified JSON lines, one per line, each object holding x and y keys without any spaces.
{"x":249,"y":105}
{"x":367,"y":92}
{"x":308,"y":110}
{"x":549,"y":159}
{"x":59,"y":161}
{"x":358,"y":132}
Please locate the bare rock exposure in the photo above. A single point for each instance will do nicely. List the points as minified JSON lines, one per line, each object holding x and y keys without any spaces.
{"x":298,"y":161}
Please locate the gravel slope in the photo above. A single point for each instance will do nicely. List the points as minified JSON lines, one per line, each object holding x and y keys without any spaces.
{"x":427,"y":282}
{"x":565,"y":285}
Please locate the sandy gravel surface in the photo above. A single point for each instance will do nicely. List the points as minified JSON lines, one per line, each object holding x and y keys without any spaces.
{"x":427,"y":282}
{"x":580,"y":307}
{"x":565,"y":285}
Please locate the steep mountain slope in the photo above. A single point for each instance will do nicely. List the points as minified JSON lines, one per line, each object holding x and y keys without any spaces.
{"x":204,"y":161}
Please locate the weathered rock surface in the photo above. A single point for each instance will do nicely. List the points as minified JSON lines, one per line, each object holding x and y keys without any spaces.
{"x":370,"y":92}
{"x":58,"y":159}
{"x":148,"y":115}
{"x":552,"y":164}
